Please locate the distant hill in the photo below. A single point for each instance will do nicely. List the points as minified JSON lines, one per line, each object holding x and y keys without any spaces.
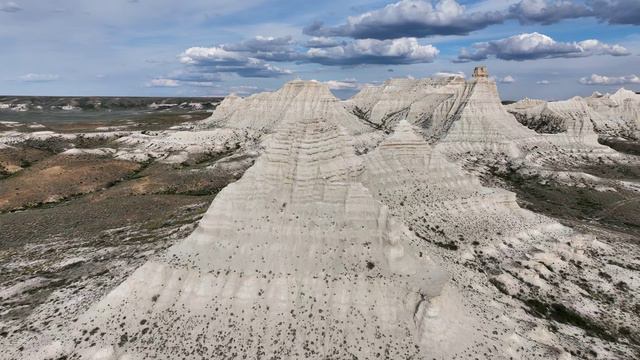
{"x":35,"y":103}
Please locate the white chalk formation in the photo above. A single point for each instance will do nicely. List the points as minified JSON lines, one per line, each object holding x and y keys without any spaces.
{"x":423,"y":102}
{"x":295,"y":260}
{"x":297,"y":99}
{"x":481,"y":124}
{"x":615,"y":114}
{"x":178,"y":146}
{"x":461,"y":115}
{"x":520,"y":252}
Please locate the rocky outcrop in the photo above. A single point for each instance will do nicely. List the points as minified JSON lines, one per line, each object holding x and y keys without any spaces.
{"x":179,"y":146}
{"x":619,"y":112}
{"x":573,"y":118}
{"x":295,"y":100}
{"x":616,"y":115}
{"x":481,"y":124}
{"x":295,"y":260}
{"x":535,"y":115}
{"x":317,"y":252}
{"x":487,"y":242}
{"x":461,"y":115}
{"x":423,"y":102}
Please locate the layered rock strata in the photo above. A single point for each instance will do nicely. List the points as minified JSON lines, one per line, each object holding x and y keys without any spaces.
{"x":487,"y":242}
{"x":615,"y":115}
{"x":463,"y":115}
{"x":295,"y":100}
{"x":295,"y":260}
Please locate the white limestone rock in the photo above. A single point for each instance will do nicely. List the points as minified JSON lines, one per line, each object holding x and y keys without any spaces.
{"x":609,"y":115}
{"x":295,"y":260}
{"x":481,"y":124}
{"x":177,"y":146}
{"x":461,"y":115}
{"x":483,"y":228}
{"x":423,"y":102}
{"x":295,"y":100}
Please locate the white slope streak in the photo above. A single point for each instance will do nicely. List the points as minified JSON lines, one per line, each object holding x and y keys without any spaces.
{"x":295,"y":260}
{"x":295,"y":100}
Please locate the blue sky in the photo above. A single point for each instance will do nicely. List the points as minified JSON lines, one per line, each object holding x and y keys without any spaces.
{"x":550,"y":49}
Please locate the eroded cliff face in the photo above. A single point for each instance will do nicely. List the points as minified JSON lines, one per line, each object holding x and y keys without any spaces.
{"x":486,"y":241}
{"x":423,"y":102}
{"x":295,"y":100}
{"x":482,"y":125}
{"x":467,"y":117}
{"x":295,"y":260}
{"x":610,"y":115}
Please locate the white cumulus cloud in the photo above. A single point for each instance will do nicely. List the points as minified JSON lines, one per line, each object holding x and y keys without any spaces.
{"x":410,"y":18}
{"x":529,"y":46}
{"x":343,"y":84}
{"x":372,"y":51}
{"x":218,"y":60}
{"x":548,"y":12}
{"x":446,"y":74}
{"x":323,"y":42}
{"x":10,"y":7}
{"x":163,"y":83}
{"x":507,"y":80}
{"x":31,"y":77}
{"x":596,"y":79}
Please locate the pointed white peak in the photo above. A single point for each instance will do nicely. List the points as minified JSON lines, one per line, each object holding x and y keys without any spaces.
{"x":405,"y":141}
{"x":622,"y":90}
{"x":525,"y":103}
{"x":404,"y":134}
{"x":622,"y":94}
{"x":230,"y":99}
{"x":305,"y":84}
{"x":295,"y":100}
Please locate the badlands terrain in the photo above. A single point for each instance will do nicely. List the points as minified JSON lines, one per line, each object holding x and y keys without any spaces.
{"x":420,"y":219}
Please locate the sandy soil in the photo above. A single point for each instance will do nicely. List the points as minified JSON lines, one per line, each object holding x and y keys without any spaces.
{"x":60,"y":177}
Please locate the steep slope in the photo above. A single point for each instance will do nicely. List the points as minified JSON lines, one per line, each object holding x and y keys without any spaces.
{"x":620,"y":113}
{"x":461,"y":115}
{"x":423,"y":102}
{"x":503,"y":255}
{"x":573,"y":118}
{"x":296,"y":99}
{"x":536,"y":115}
{"x":587,"y":118}
{"x":481,"y":124}
{"x":227,"y":106}
{"x":295,"y":260}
